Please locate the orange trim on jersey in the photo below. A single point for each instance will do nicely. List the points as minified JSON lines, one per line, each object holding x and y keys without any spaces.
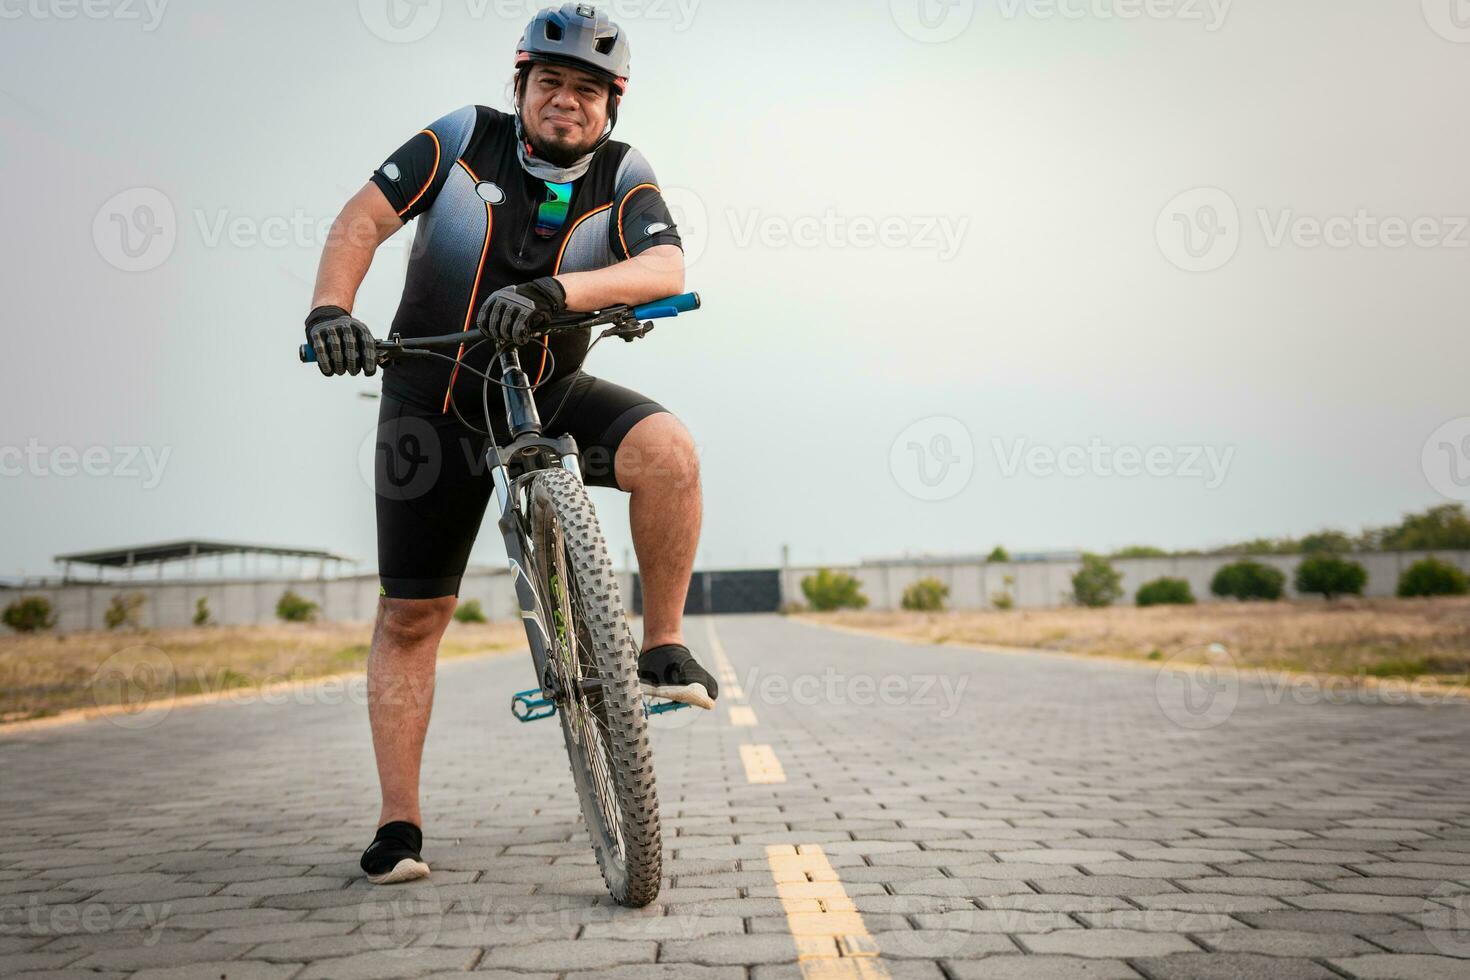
{"x":469,"y":312}
{"x":623,"y":204}
{"x":432,"y":173}
{"x":545,"y":345}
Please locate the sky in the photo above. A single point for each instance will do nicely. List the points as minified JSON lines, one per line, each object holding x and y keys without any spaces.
{"x":1074,"y":274}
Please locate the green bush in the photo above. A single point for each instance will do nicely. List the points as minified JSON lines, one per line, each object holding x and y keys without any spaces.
{"x":998,"y":554}
{"x":292,"y":608}
{"x":1330,"y":576}
{"x":469,"y":611}
{"x":1004,"y":599}
{"x":28,"y":614}
{"x":925,"y":595}
{"x":125,"y":610}
{"x":1097,"y":583}
{"x":1426,"y":577}
{"x":828,"y":590}
{"x":201,"y":611}
{"x":1165,"y":592}
{"x":1247,"y":580}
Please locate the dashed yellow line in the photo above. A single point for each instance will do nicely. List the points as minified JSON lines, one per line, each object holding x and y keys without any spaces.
{"x":761,"y":764}
{"x":832,"y":943}
{"x":742,"y":716}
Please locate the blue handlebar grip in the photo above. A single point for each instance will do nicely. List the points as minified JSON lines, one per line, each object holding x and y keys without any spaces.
{"x":307,"y":354}
{"x":672,"y":306}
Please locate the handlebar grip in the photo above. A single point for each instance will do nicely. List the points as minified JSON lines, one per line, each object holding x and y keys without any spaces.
{"x":307,"y":353}
{"x":672,"y":306}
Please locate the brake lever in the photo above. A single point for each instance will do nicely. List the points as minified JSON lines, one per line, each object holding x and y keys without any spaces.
{"x":628,"y":328}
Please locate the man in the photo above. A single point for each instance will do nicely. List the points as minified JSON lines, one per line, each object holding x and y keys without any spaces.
{"x":521,"y":216}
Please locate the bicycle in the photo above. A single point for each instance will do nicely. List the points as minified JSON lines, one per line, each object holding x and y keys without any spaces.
{"x":583,"y":650}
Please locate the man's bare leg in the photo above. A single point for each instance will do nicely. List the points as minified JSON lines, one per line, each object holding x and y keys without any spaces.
{"x":400,"y":675}
{"x":658,"y":465}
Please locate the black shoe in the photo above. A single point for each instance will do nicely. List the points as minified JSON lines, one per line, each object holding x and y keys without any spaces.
{"x":393,"y":856}
{"x":670,"y":671}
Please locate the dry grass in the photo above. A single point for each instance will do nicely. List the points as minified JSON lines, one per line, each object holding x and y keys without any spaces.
{"x":44,"y":674}
{"x":1376,"y":637}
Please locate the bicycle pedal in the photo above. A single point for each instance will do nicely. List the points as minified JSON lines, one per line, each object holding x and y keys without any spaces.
{"x":652,"y":707}
{"x":531,"y":705}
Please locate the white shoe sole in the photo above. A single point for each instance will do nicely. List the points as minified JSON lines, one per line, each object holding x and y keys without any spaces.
{"x":694,"y":694}
{"x":406,"y":870}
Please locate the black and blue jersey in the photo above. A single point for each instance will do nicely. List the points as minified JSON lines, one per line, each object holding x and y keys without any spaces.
{"x":480,"y":211}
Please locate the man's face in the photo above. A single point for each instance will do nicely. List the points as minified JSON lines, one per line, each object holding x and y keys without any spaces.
{"x":564,"y":111}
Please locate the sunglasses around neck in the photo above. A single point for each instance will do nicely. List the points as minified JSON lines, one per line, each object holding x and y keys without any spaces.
{"x":551,"y":214}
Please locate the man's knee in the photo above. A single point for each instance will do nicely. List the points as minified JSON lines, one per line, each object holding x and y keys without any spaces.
{"x":659,"y":449}
{"x":410,"y":622}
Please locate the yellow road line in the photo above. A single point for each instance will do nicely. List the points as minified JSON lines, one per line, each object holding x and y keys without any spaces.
{"x":832,"y":943}
{"x":761,"y":764}
{"x":742,"y":716}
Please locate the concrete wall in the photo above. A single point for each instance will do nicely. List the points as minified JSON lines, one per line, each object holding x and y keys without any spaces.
{"x":1035,"y":585}
{"x":242,"y":602}
{"x":1049,"y":583}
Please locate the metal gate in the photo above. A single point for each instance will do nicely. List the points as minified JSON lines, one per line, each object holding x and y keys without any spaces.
{"x":752,"y":591}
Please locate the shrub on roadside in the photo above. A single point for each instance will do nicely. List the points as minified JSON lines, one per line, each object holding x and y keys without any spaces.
{"x":292,"y":608}
{"x":1330,"y":576}
{"x":201,"y":611}
{"x":1005,"y":599}
{"x":828,"y":590}
{"x":926,"y":595}
{"x":1097,"y":583}
{"x":1430,"y":576}
{"x":1165,"y":592}
{"x":469,"y":611}
{"x":30,"y":614}
{"x":1247,"y":580}
{"x":125,"y":610}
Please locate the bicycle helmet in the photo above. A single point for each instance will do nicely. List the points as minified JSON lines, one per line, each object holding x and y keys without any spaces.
{"x":577,"y":35}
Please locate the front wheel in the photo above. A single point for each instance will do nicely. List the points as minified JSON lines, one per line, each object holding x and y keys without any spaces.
{"x":596,"y":661}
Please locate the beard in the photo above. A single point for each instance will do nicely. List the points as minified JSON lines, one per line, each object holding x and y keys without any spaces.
{"x":559,"y":153}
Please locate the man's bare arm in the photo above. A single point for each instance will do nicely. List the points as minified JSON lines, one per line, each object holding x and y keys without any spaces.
{"x":366,"y":222}
{"x":649,"y":275}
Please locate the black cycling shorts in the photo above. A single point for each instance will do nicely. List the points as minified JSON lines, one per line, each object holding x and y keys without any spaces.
{"x":433,"y":483}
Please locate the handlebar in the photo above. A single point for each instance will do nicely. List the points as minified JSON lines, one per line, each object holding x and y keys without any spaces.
{"x":624,"y":318}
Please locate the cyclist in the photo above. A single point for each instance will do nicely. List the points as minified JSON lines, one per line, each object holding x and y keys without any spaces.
{"x":522,"y":216}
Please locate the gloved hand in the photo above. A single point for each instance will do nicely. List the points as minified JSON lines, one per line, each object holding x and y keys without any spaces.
{"x":510,"y":316}
{"x":343,"y":344}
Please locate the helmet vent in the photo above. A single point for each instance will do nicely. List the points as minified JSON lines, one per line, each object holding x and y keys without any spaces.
{"x":553,"y":31}
{"x":604,"y":45}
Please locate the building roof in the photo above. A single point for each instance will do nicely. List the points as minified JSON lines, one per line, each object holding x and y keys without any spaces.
{"x":145,"y":554}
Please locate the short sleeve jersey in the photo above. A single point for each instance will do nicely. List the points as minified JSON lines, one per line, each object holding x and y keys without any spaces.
{"x":479,"y":213}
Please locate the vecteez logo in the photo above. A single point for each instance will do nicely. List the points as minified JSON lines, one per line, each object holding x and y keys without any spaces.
{"x":401,"y":21}
{"x":1450,"y":19}
{"x":136,"y":229}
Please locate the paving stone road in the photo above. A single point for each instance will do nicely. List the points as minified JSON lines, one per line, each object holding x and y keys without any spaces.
{"x":883,"y":809}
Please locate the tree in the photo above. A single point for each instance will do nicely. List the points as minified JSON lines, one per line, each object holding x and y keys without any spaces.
{"x":1326,"y":543}
{"x":125,"y":610}
{"x":1097,"y":583}
{"x":201,"y":611}
{"x":469,"y":611}
{"x":925,"y":595}
{"x":1140,"y":551}
{"x":1446,"y":528}
{"x":999,"y":554}
{"x":828,"y":590}
{"x":30,"y":614}
{"x":1330,"y":576}
{"x":1430,"y":576}
{"x":1165,"y":592}
{"x":292,"y":608}
{"x":1247,"y":580}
